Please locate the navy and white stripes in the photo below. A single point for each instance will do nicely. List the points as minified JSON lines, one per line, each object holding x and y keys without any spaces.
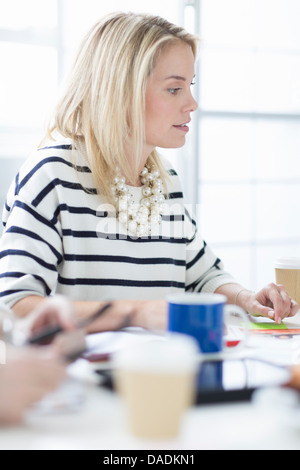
{"x":61,"y":236}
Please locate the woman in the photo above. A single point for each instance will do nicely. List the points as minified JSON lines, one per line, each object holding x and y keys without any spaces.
{"x":95,"y":214}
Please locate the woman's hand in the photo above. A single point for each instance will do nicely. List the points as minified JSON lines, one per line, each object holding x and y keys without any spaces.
{"x":148,"y":314}
{"x":272,"y":302}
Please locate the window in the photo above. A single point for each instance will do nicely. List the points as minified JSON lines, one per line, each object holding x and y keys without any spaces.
{"x":247,"y":183}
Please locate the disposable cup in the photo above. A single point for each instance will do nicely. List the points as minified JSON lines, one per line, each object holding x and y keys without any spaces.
{"x":157,"y":382}
{"x":287,"y":272}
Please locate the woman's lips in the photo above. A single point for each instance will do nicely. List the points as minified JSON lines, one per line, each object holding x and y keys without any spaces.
{"x":182,"y":127}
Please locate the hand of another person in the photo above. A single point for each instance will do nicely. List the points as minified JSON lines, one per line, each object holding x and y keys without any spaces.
{"x":28,"y":375}
{"x":56,"y":310}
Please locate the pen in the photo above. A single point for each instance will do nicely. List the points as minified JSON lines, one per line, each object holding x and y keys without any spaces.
{"x":50,"y":332}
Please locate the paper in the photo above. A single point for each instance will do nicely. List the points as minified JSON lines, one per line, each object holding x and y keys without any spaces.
{"x":273,"y":329}
{"x":107,"y":343}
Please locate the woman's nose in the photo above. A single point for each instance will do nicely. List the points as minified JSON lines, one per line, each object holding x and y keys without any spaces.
{"x":191,"y":104}
{"x":194,"y":105}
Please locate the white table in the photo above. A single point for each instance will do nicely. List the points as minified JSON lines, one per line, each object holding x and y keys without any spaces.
{"x":98,"y":422}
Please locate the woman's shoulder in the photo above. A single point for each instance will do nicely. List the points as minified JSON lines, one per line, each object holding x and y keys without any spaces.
{"x":60,"y":150}
{"x":54,"y":159}
{"x":56,"y":162}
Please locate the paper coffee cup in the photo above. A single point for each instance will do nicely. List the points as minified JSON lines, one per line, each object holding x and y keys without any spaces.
{"x":287,"y":272}
{"x":157,"y":381}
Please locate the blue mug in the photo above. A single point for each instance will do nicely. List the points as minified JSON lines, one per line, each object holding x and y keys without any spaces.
{"x":203,"y":316}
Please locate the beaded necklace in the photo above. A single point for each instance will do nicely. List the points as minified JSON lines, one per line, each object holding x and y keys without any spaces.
{"x":140,"y":219}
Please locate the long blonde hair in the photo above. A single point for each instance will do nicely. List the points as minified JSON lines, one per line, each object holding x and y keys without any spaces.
{"x":103,"y":105}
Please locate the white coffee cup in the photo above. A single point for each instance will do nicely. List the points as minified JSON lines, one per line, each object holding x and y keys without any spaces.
{"x":157,"y":381}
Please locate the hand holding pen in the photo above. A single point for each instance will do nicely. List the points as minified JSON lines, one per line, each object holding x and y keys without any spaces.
{"x":54,"y":321}
{"x":58,"y":324}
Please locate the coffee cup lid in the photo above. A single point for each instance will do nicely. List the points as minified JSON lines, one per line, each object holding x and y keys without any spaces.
{"x":287,"y":263}
{"x":171,"y":353}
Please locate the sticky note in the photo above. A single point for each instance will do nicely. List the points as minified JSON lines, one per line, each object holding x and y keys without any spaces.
{"x":268,"y":326}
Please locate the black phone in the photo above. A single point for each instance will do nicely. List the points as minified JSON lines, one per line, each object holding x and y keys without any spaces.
{"x":226,"y":380}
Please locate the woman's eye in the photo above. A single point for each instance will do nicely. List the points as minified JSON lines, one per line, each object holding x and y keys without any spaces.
{"x":174,"y":91}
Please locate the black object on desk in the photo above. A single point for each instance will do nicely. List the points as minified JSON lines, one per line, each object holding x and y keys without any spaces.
{"x":229,"y":380}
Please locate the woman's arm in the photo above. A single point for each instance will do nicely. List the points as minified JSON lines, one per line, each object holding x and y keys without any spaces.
{"x":143,"y":313}
{"x":272,"y":301}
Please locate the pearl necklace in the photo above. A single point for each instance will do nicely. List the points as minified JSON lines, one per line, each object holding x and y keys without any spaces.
{"x":140,"y":219}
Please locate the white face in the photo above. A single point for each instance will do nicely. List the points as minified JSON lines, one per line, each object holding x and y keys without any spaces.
{"x":169,"y":101}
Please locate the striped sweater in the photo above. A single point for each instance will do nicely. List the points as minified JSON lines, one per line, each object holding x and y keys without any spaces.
{"x":60,"y":237}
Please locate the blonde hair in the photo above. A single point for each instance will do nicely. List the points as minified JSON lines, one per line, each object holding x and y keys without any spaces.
{"x":104,"y":101}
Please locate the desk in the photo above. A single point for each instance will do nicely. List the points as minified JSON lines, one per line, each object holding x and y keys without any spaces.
{"x":98,"y":423}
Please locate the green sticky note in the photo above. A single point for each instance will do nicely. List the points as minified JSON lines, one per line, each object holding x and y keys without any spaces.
{"x":268,"y":326}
